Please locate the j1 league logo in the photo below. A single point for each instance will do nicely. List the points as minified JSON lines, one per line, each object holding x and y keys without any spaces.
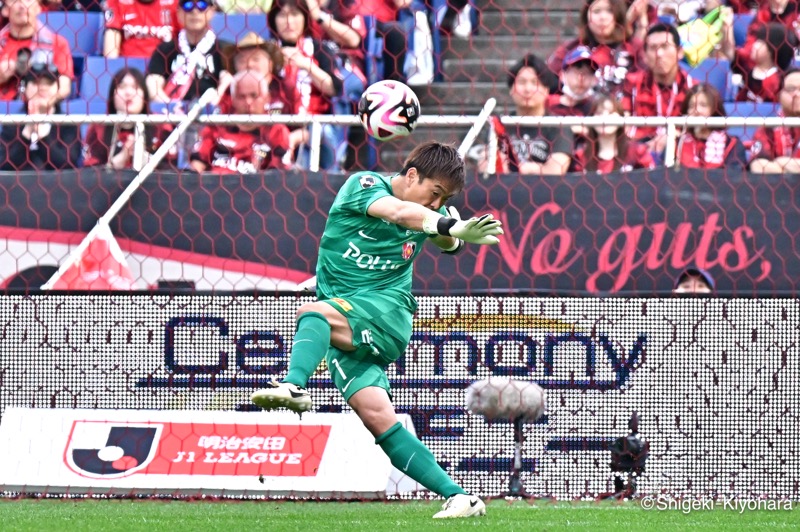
{"x":111,"y":450}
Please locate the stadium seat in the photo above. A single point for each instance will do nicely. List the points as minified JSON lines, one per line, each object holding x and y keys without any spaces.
{"x":79,"y":106}
{"x":741,"y":23}
{"x":716,"y":72}
{"x":232,"y":27}
{"x":12,"y":107}
{"x":373,"y":51}
{"x":98,"y":73}
{"x":83,"y":31}
{"x":748,"y":109}
{"x":78,"y":64}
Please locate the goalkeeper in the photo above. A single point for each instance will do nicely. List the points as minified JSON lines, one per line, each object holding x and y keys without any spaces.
{"x":362,"y":320}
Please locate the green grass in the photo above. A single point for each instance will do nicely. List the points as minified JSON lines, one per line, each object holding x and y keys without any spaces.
{"x":151,"y":516}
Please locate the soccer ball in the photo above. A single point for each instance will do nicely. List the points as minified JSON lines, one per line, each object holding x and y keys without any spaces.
{"x":388,"y":109}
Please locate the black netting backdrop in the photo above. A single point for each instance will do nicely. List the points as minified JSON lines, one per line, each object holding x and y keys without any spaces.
{"x":627,"y":233}
{"x":712,"y":380}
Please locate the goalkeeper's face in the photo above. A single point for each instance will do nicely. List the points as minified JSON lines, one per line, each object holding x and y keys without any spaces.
{"x":432,"y":193}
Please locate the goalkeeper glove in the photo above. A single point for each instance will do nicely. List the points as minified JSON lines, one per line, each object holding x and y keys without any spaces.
{"x":459,"y":244}
{"x":483,"y":230}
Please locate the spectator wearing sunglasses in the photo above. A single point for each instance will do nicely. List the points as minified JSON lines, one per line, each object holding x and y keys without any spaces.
{"x":43,"y":145}
{"x":134,"y":28}
{"x":24,"y":41}
{"x":183,"y":69}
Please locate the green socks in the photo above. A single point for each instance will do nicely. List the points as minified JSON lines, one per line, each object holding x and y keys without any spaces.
{"x":311,"y":342}
{"x":413,"y":458}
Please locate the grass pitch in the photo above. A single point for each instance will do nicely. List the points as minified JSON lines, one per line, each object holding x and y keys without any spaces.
{"x":151,"y":516}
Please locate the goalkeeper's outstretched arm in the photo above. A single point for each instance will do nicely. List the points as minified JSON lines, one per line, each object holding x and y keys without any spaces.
{"x":481,"y":230}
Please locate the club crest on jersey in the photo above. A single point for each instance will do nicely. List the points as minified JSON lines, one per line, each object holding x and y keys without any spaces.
{"x":367,"y":181}
{"x":347,"y":307}
{"x":408,"y":250}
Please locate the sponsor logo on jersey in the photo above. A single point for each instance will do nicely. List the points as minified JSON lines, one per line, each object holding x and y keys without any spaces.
{"x":260,"y":152}
{"x":347,"y":307}
{"x":367,"y":181}
{"x":408,"y":250}
{"x":138,"y":31}
{"x":233,"y":164}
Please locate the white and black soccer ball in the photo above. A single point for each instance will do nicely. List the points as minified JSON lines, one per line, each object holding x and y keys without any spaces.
{"x":388,"y":109}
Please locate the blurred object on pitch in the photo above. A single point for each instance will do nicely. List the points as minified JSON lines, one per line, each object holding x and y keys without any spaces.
{"x":517,"y":401}
{"x":628,"y":455}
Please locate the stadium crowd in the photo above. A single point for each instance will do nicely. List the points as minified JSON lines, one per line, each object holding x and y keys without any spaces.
{"x":639,"y":58}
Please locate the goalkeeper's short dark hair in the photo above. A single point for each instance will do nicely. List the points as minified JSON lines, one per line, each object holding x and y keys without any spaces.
{"x":437,"y":160}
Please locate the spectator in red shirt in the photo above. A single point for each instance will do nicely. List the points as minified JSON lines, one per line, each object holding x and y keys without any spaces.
{"x":706,"y":147}
{"x":243,"y":148}
{"x":134,"y":28}
{"x":607,"y":148}
{"x":660,"y":87}
{"x":310,"y":64}
{"x":777,"y":150}
{"x":42,"y":145}
{"x":344,"y":27}
{"x":395,"y":43}
{"x":784,"y":11}
{"x":603,"y":28}
{"x":24,"y":41}
{"x":337,"y":21}
{"x":127,"y":95}
{"x":761,"y":65}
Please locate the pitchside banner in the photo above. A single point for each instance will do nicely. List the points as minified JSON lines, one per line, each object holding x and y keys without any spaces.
{"x":192,"y":453}
{"x":714,"y":382}
{"x":577,"y":234}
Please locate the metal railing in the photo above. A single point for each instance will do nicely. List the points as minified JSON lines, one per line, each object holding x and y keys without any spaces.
{"x":316,"y":122}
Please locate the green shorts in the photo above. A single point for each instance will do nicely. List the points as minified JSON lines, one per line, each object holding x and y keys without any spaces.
{"x":381,"y":332}
{"x":351,"y":374}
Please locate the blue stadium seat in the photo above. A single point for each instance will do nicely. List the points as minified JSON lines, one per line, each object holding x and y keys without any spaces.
{"x":232,"y":27}
{"x":748,"y":109}
{"x":78,"y":64}
{"x":98,"y":73}
{"x":79,"y":106}
{"x":373,"y":51}
{"x":716,"y":72}
{"x":741,"y":23}
{"x":83,"y":31}
{"x":12,"y":107}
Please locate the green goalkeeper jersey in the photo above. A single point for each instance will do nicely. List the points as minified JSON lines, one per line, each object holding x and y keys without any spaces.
{"x":359,"y":253}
